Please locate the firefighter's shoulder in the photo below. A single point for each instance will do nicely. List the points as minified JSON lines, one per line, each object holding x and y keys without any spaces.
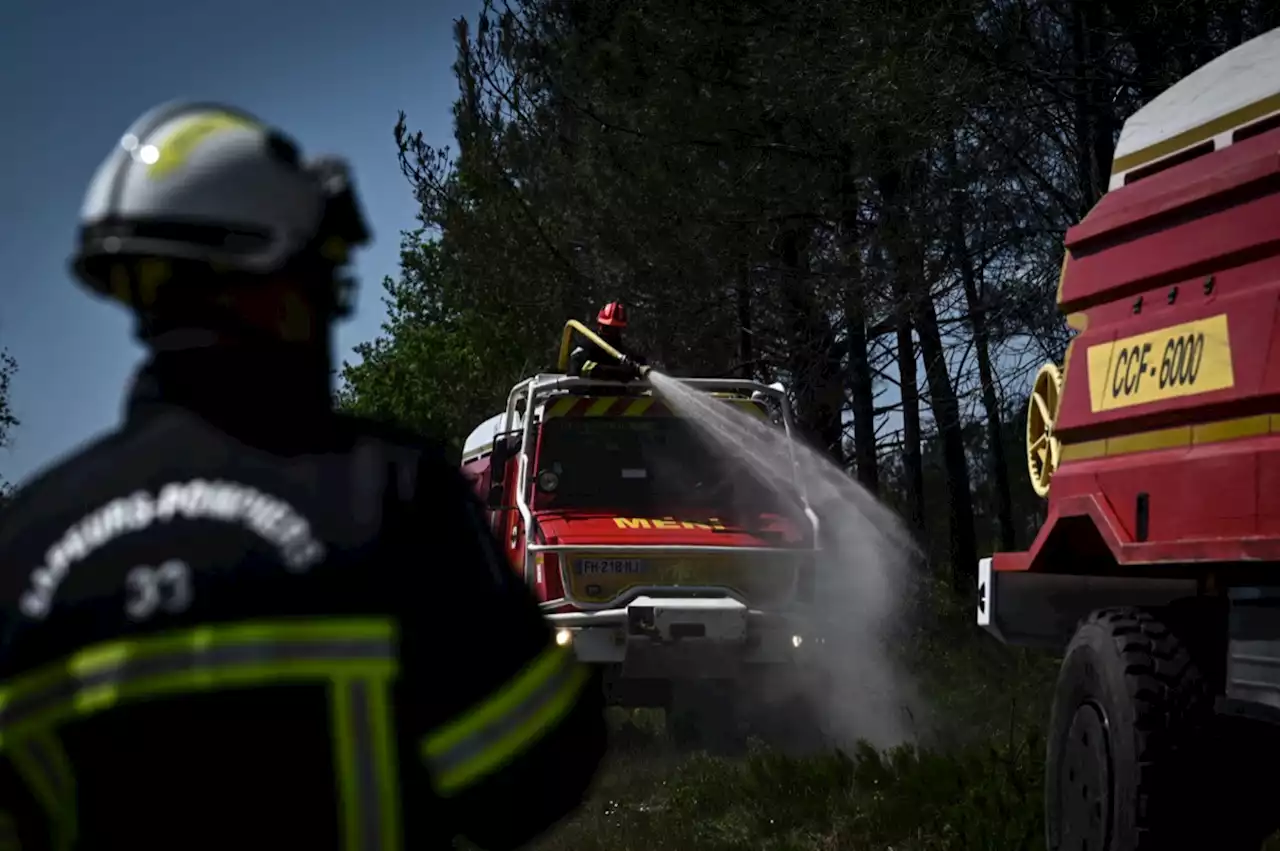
{"x":66,"y":483}
{"x":34,"y":519}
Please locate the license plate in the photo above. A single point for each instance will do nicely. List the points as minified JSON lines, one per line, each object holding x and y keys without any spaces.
{"x":611,"y":566}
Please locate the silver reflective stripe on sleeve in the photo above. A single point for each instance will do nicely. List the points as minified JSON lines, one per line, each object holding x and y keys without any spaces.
{"x":505,"y":724}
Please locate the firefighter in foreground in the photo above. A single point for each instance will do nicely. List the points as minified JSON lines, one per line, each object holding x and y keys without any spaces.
{"x":588,"y":360}
{"x":222,"y":623}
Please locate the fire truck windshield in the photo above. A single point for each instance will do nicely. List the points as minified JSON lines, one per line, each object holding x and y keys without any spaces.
{"x":643,"y":465}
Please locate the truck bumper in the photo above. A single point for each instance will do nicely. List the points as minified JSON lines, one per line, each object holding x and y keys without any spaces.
{"x":686,"y":637}
{"x":1039,"y":609}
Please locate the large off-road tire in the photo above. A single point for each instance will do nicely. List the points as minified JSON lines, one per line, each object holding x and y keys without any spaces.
{"x":1127,"y":731}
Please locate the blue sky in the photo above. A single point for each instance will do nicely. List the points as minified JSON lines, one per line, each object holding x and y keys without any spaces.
{"x":76,"y":74}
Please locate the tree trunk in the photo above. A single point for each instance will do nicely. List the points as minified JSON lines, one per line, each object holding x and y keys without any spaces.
{"x":963,"y":543}
{"x":861,"y":386}
{"x":912,"y":460}
{"x":829,"y":408}
{"x":986,"y":374}
{"x":891,"y":223}
{"x":1268,"y":17}
{"x":860,"y":380}
{"x":916,"y":302}
{"x":814,"y":361}
{"x":746,"y":351}
{"x":1094,"y":112}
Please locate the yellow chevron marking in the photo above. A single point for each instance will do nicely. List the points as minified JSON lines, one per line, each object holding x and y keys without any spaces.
{"x":638,"y":407}
{"x":601,"y":406}
{"x":560,"y":407}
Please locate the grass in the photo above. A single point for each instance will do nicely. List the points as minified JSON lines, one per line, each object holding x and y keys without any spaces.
{"x":973,"y":781}
{"x":906,"y":799}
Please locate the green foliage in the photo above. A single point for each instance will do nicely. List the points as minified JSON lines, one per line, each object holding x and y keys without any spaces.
{"x":976,"y":686}
{"x":8,"y":419}
{"x":440,"y":366}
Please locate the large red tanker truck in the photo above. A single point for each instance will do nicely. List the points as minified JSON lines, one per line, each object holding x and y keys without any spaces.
{"x":1157,"y":445}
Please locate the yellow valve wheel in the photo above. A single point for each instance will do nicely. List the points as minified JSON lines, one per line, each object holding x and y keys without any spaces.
{"x":1044,"y":450}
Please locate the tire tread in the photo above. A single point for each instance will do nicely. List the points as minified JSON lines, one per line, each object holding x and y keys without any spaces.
{"x":1171,"y":701}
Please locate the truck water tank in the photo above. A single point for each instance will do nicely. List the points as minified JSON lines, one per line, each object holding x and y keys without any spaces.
{"x":480,"y":441}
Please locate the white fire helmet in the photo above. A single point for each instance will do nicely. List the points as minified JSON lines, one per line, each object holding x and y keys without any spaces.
{"x":200,"y":185}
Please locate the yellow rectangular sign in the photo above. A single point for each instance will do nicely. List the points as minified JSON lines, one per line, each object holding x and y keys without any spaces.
{"x":712,"y":524}
{"x":1169,"y":363}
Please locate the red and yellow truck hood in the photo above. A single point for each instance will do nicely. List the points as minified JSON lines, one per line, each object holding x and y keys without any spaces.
{"x":582,"y":528}
{"x":759,"y":573}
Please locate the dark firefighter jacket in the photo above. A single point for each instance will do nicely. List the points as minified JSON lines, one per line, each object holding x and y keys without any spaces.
{"x":244,"y":622}
{"x":590,"y":361}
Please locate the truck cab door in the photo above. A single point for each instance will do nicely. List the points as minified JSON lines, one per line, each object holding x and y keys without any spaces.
{"x":508,"y":526}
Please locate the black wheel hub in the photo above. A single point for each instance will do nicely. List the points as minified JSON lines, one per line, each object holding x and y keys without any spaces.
{"x":1084,"y":782}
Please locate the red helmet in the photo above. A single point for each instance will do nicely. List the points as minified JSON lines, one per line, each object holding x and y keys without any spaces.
{"x":612,"y":315}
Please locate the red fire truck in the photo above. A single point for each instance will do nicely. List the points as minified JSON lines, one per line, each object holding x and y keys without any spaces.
{"x":1157,"y":445}
{"x":687,"y":580}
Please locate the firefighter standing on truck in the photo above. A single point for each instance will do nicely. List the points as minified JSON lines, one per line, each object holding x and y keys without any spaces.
{"x":588,"y":360}
{"x":237,"y":620}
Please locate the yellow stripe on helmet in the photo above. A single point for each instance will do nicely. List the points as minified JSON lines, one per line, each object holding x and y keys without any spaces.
{"x":186,"y":135}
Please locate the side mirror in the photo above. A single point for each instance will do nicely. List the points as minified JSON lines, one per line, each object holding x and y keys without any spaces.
{"x":498,"y":457}
{"x":504,"y":446}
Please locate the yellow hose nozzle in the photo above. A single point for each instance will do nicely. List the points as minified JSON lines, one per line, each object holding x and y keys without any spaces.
{"x":574,"y":325}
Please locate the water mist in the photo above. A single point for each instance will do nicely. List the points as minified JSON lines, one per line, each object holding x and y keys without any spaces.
{"x":864,"y":564}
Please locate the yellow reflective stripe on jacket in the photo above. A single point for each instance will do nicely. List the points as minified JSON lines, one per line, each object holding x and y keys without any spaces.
{"x":355,"y":658}
{"x":365,"y":752}
{"x":43,"y":765}
{"x":202,"y":659}
{"x":506,"y":723}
